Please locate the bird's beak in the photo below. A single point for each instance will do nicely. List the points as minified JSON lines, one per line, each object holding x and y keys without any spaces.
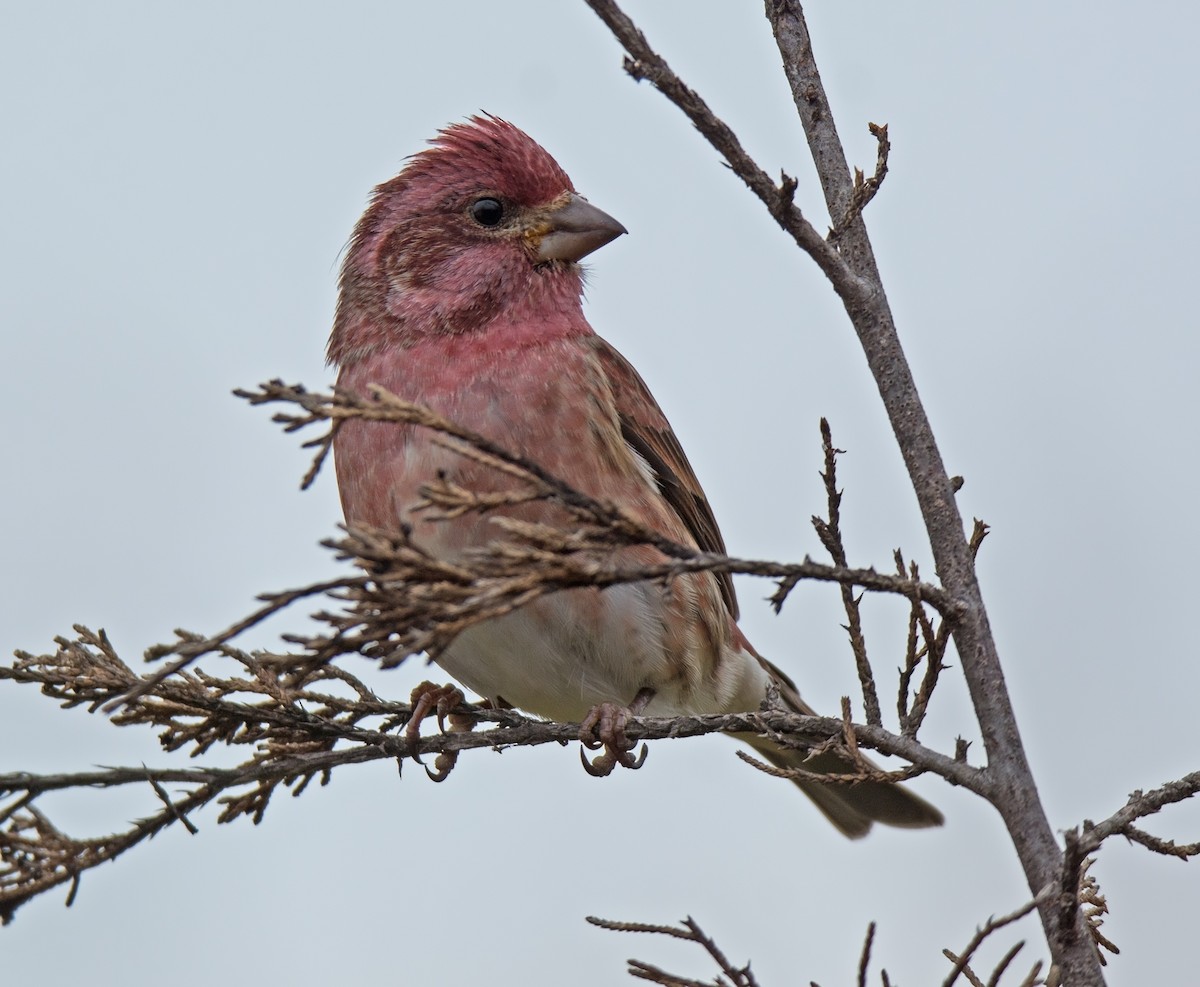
{"x":574,"y":228}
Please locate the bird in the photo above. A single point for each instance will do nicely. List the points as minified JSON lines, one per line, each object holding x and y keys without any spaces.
{"x":461,"y":290}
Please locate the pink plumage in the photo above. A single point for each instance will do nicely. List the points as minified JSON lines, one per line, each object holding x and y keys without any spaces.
{"x":462,"y":291}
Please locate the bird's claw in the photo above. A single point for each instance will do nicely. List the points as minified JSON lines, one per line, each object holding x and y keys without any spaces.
{"x":429,"y":699}
{"x":441,"y":767}
{"x":607,"y":762}
{"x":604,"y":727}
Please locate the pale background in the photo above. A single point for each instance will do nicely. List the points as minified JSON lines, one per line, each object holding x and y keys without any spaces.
{"x":178,"y":181}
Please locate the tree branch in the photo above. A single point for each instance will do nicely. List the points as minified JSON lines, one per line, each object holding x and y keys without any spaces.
{"x":690,"y":932}
{"x":1017,"y":797}
{"x":1139,"y":806}
{"x":645,"y":63}
{"x":962,"y":960}
{"x":430,"y":602}
{"x":301,"y":722}
{"x":856,"y":279}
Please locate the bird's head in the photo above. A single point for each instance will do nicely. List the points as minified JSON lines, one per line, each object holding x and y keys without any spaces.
{"x":481,"y":224}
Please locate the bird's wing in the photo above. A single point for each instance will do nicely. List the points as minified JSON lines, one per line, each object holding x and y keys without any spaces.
{"x":646,"y":429}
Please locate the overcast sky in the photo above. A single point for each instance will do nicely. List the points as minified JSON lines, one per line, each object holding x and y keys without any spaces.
{"x":178,"y":181}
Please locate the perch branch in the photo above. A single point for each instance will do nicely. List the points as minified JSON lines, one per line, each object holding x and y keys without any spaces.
{"x":855,"y":277}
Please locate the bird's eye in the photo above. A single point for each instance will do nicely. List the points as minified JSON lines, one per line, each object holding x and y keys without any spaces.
{"x":487,"y":212}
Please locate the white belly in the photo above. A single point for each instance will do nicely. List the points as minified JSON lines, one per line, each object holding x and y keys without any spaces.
{"x":561,"y":655}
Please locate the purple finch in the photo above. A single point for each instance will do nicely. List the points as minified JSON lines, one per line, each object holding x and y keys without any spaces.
{"x":461,"y":291}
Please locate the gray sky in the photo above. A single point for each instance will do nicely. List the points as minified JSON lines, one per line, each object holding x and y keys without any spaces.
{"x":178,"y":181}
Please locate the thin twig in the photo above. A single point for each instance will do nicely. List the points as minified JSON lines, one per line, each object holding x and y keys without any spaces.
{"x":646,"y":63}
{"x":865,"y":959}
{"x":865,"y":188}
{"x":991,"y":925}
{"x":297,"y":734}
{"x":1005,"y":962}
{"x":505,"y":576}
{"x":690,"y":932}
{"x":867,"y":307}
{"x":1139,"y":805}
{"x":830,"y":532}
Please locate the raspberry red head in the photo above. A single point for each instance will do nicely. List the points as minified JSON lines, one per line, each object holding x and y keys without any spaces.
{"x":490,"y":152}
{"x":469,"y":229}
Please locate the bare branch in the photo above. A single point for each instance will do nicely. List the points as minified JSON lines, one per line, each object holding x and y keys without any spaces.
{"x":830,"y":532}
{"x":991,"y":925}
{"x":645,"y":63}
{"x":865,"y":188}
{"x":1168,"y":848}
{"x":1005,"y":962}
{"x":1139,"y":806}
{"x":398,"y":601}
{"x":1033,"y":978}
{"x":1077,"y":887}
{"x":865,"y":959}
{"x":859,"y":285}
{"x":298,"y":730}
{"x":924,"y":643}
{"x":935,"y":638}
{"x":691,"y":932}
{"x":863,"y":769}
{"x":868,"y":309}
{"x":496,"y":580}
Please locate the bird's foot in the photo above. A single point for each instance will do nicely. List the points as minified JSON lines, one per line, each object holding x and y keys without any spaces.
{"x":604,"y":727}
{"x":429,"y":699}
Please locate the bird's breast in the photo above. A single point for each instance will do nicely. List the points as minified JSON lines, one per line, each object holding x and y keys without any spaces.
{"x":550,"y":403}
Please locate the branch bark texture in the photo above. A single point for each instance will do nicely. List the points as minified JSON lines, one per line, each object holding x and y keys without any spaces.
{"x":855,"y":277}
{"x":1017,"y":798}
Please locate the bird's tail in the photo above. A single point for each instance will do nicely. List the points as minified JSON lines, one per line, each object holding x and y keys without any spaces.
{"x":852,"y":807}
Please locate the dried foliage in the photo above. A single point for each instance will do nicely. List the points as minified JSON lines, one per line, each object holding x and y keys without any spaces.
{"x":733,"y":976}
{"x":689,"y":931}
{"x":962,"y":961}
{"x":299,"y":715}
